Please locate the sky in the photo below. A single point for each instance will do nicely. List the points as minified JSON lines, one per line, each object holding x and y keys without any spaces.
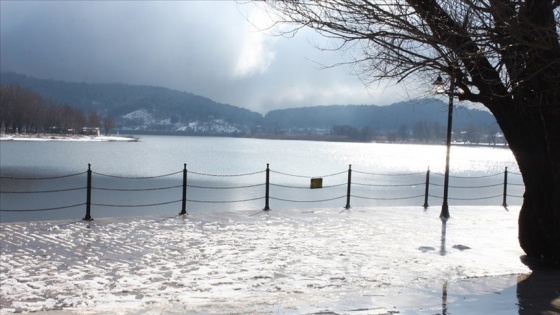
{"x":217,"y":49}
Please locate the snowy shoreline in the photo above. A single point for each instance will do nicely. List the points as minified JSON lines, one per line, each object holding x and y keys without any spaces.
{"x":330,"y":261}
{"x":55,"y":137}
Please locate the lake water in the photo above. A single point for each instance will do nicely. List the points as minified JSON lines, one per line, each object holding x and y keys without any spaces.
{"x":127,"y":175}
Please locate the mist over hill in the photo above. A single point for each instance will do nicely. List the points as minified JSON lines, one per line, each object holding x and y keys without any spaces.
{"x":151,"y":109}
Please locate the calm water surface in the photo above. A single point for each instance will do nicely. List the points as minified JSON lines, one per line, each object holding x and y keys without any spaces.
{"x":292,"y":163}
{"x":154,"y":155}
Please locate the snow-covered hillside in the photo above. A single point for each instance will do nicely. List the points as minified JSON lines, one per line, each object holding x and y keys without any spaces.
{"x":143,"y":120}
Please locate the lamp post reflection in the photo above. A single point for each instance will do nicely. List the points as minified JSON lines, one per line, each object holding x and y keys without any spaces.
{"x":444,"y":298}
{"x":442,"y":250}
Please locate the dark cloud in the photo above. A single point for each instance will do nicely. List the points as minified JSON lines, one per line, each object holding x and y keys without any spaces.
{"x":207,"y":48}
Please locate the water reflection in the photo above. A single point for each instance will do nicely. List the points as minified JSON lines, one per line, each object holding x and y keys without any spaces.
{"x":444,"y":298}
{"x":535,"y":293}
{"x":538,"y":292}
{"x":527,"y":294}
{"x":443,"y":231}
{"x":442,"y":252}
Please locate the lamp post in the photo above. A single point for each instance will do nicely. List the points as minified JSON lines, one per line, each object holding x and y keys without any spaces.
{"x":444,"y":215}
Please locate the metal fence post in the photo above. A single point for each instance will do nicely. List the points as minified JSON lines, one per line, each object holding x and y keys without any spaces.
{"x":427,"y":189}
{"x":88,"y":196}
{"x":184,"y":199}
{"x":504,"y":203}
{"x":267,"y":190}
{"x":348,"y":188}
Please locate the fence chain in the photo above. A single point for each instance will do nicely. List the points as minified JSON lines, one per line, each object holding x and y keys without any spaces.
{"x":470,"y":177}
{"x":399,"y":198}
{"x":136,"y":206}
{"x":41,"y":178}
{"x":44,"y":209}
{"x":470,"y":187}
{"x":481,"y":198}
{"x":224,"y":201}
{"x":137,"y":177}
{"x":389,"y":174}
{"x":307,"y":201}
{"x":230,"y":187}
{"x":136,"y":189}
{"x":307,"y":187}
{"x":41,"y":191}
{"x":395,"y":185}
{"x":308,"y":177}
{"x":225,"y":175}
{"x":478,"y":198}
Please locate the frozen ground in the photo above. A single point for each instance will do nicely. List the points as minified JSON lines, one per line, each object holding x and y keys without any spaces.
{"x":396,"y":260}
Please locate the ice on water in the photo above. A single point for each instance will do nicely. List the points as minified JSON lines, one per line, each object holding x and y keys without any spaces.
{"x":282,"y":261}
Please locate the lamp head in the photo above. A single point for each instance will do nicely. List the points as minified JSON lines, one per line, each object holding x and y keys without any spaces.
{"x":439,"y":85}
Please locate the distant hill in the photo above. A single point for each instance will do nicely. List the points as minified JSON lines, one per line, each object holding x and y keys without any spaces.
{"x":383,"y":118}
{"x":159,"y":110}
{"x":142,"y":108}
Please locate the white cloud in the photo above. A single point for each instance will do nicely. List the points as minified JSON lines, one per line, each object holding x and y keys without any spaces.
{"x":255,"y":56}
{"x":257,"y":47}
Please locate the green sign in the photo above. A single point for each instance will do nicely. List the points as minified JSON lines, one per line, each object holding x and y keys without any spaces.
{"x":316,"y":183}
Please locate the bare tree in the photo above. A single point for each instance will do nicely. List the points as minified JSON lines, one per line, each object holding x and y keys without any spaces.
{"x":24,"y":111}
{"x":93,"y":120}
{"x":21,"y":110}
{"x":402,"y":133}
{"x":504,"y":54}
{"x":108,"y":125}
{"x":492,"y":135}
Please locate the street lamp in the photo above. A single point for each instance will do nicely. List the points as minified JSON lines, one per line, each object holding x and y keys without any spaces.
{"x":439,"y":84}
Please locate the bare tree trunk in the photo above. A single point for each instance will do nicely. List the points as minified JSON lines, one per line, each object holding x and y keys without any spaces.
{"x":533,"y":133}
{"x":538,"y":226}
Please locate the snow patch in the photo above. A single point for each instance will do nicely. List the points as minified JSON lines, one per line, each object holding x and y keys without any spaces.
{"x":51,"y":137}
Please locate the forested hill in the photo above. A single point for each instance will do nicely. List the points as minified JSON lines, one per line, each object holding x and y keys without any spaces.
{"x":156,"y":109}
{"x":137,"y":107}
{"x":382,"y":118}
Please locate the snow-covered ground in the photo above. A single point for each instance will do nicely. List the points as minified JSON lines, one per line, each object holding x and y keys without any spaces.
{"x":48,"y":137}
{"x":395,"y":260}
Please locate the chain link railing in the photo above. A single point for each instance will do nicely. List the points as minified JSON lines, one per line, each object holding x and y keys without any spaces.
{"x":403,"y":186}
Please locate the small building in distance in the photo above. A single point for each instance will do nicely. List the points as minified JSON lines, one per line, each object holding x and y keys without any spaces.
{"x":90,"y":131}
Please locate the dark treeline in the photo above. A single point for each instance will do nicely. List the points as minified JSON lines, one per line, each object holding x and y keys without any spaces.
{"x":415,"y":121}
{"x":421,"y":132}
{"x":24,"y":111}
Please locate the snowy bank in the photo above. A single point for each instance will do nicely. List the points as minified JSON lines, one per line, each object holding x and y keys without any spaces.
{"x":50,"y":137}
{"x":360,"y":261}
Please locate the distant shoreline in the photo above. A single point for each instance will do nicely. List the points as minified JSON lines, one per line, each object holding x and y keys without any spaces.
{"x":331,"y":138}
{"x":131,"y":138}
{"x":58,"y":137}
